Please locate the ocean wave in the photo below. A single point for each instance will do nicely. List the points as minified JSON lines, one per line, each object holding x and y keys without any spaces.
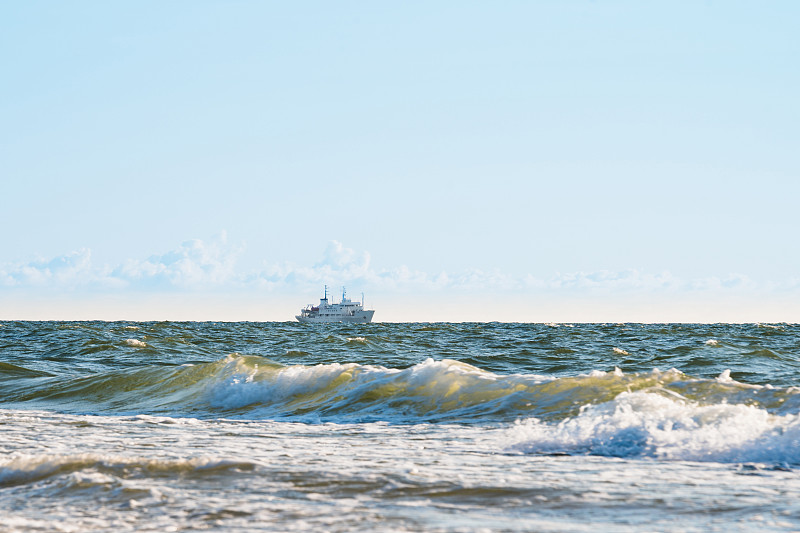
{"x":433,"y":390}
{"x":648,"y":425}
{"x":100,"y":469}
{"x":9,"y":371}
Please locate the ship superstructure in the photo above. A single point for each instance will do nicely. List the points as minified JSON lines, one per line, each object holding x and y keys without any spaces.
{"x":344,"y":311}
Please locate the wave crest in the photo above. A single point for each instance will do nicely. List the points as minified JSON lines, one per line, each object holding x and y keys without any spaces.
{"x":645,"y":424}
{"x":429,"y":388}
{"x":431,"y":391}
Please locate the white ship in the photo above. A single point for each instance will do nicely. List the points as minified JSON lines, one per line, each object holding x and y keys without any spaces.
{"x":344,"y":311}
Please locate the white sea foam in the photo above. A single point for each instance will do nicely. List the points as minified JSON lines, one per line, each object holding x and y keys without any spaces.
{"x":182,"y":421}
{"x":712,"y":342}
{"x":136,"y":343}
{"x":602,"y":373}
{"x":620,"y":351}
{"x":242,"y":388}
{"x":646,"y":424}
{"x":344,"y":476}
{"x":356,"y":339}
{"x":725,"y":377}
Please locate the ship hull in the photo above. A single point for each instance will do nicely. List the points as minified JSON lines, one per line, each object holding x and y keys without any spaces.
{"x":364,"y":317}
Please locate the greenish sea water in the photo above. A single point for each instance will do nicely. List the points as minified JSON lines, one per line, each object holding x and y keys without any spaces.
{"x":138,"y":426}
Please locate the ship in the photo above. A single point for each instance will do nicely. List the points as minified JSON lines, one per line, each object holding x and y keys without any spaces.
{"x":344,"y":311}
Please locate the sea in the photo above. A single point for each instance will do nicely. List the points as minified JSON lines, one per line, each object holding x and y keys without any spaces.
{"x":442,"y":427}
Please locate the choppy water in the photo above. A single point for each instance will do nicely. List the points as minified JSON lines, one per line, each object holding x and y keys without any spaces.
{"x":399,"y":427}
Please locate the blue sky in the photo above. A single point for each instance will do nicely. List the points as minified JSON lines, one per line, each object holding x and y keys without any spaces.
{"x":542,"y":161}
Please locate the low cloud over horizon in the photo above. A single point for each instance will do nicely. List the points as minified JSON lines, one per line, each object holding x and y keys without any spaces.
{"x":197,"y":265}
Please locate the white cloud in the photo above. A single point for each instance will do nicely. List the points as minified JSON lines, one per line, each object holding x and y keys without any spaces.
{"x":610,"y":280}
{"x":198,"y":265}
{"x":194,"y":264}
{"x":339,"y":264}
{"x":69,"y":270}
{"x":731,"y":281}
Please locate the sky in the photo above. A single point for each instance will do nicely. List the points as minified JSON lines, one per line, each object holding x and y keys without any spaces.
{"x":531,"y":161}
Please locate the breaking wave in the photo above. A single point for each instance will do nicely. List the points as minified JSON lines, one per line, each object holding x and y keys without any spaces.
{"x":431,"y":391}
{"x":644,"y":424}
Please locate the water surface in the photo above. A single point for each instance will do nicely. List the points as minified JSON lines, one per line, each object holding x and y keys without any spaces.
{"x":399,"y":427}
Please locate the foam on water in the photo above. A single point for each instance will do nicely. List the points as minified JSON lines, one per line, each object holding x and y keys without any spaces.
{"x":136,"y":343}
{"x":398,"y":427}
{"x":98,"y":468}
{"x":645,"y":424}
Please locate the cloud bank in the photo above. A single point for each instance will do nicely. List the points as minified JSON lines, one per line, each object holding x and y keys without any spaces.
{"x":198,"y":265}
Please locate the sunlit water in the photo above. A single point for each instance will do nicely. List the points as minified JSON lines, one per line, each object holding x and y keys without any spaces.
{"x":399,"y":427}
